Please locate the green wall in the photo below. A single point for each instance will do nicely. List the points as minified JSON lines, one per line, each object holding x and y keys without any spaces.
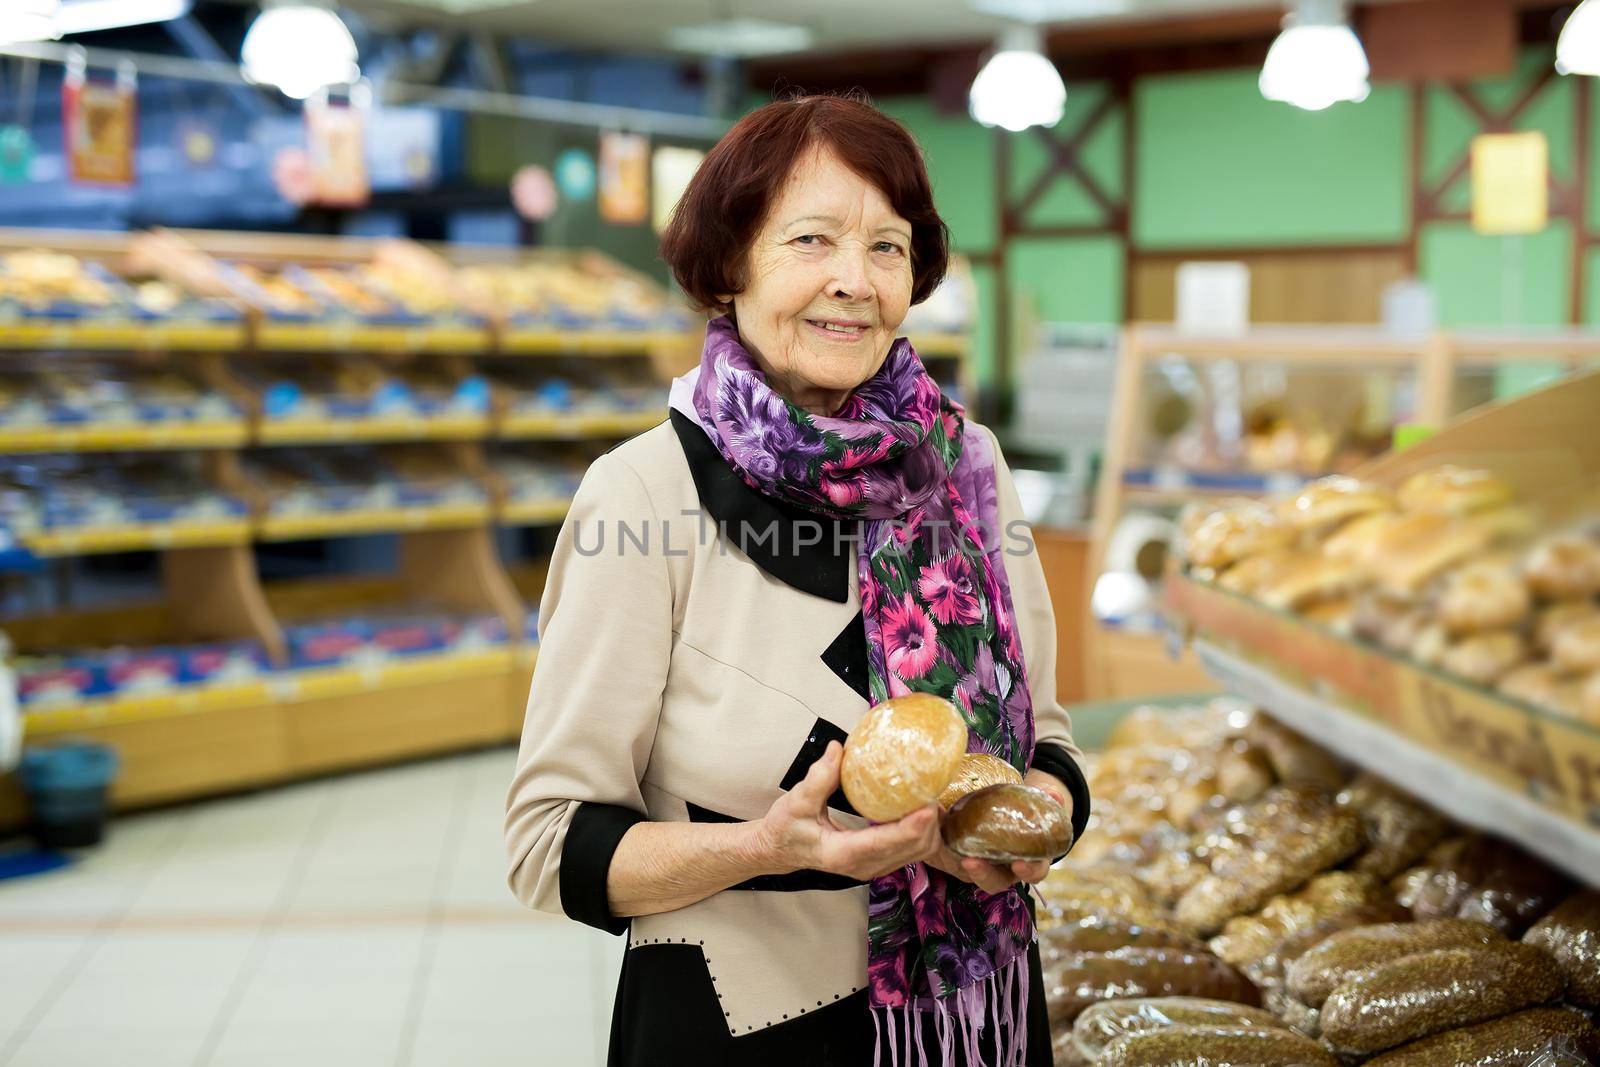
{"x":1217,"y":167}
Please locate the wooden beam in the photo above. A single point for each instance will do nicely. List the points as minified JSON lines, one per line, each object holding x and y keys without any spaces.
{"x":1063,"y":155}
{"x":1578,"y":273}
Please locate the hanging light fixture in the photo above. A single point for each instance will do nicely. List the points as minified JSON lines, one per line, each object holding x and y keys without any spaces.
{"x":29,"y":20}
{"x":1578,"y":47}
{"x":1019,"y":86}
{"x":1317,"y":61}
{"x":299,"y":48}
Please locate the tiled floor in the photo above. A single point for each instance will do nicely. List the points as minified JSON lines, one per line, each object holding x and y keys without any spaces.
{"x":355,"y":921}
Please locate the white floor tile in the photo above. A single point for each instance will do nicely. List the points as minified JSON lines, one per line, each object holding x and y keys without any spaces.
{"x":375,"y":949}
{"x":142,"y":955}
{"x":523,"y":1043}
{"x":342,"y":1044}
{"x":94,"y":1045}
{"x":325,"y":999}
{"x":116,"y":1000}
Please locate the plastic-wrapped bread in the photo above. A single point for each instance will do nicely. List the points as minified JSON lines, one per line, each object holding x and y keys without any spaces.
{"x":1301,"y":1018}
{"x":1571,"y":934}
{"x":1538,"y":1037}
{"x":1101,"y":1024}
{"x":1453,"y":490}
{"x":1248,"y":937}
{"x":1244,"y":773}
{"x":1420,"y":995}
{"x":1277,"y":864}
{"x":1488,"y":595}
{"x":901,"y":755}
{"x":1295,"y":760}
{"x":1486,"y":879}
{"x":1557,"y":617}
{"x":1104,"y":933}
{"x":1565,"y":568}
{"x":1268,"y":969}
{"x":1576,"y":647}
{"x":1400,"y":831}
{"x":1008,"y":822}
{"x":1357,"y":953}
{"x":1204,"y":1046}
{"x":1238,"y":532}
{"x":1092,"y":977}
{"x":975,"y":771}
{"x":1064,"y":1053}
{"x":1483,"y":658}
{"x":1328,"y":502}
{"x":1303,"y":583}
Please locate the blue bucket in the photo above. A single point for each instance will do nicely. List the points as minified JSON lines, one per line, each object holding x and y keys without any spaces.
{"x":68,"y":787}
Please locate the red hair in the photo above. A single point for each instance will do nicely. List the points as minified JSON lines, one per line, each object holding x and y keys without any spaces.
{"x":711,"y":229}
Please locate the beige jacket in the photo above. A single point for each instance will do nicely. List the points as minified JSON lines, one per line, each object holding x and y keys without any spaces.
{"x":679,"y":679}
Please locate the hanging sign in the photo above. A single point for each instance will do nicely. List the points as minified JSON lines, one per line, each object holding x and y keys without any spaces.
{"x":100,"y":127}
{"x":575,"y":174}
{"x":670,"y":171}
{"x":624,"y":178}
{"x":1510,"y":183}
{"x":336,"y":144}
{"x":16,"y":154}
{"x":533,"y":193}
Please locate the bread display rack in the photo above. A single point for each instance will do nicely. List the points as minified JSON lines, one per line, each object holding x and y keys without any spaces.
{"x":1523,"y":768}
{"x":1430,"y":369}
{"x":481,"y":381}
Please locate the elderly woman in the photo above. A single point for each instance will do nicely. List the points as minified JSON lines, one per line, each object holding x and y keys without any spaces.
{"x":814,"y":529}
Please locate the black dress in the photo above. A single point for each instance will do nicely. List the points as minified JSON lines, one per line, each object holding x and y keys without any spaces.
{"x":666,"y":1012}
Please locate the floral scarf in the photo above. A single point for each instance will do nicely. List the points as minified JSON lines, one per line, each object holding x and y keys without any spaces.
{"x":939,"y":619}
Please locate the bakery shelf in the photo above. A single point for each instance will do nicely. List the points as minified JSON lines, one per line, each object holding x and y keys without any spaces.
{"x":374,"y":520}
{"x":325,"y":683}
{"x":570,"y":426}
{"x":132,"y":437}
{"x":111,"y":711}
{"x":940,"y":345}
{"x":84,"y":541}
{"x":342,"y":431}
{"x":1183,"y":484}
{"x":136,"y":335}
{"x":533,"y":512}
{"x":271,"y":336}
{"x":1454,"y":789}
{"x":520,"y":342}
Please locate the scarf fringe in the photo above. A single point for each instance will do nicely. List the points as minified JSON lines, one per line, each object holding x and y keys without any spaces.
{"x":998,"y":1005}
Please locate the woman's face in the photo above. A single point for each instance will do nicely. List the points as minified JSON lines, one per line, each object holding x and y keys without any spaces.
{"x":828,"y":283}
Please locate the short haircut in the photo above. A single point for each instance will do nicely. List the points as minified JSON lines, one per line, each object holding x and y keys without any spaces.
{"x":711,"y":230}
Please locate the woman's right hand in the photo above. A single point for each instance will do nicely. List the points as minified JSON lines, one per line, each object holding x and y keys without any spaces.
{"x":799,"y":834}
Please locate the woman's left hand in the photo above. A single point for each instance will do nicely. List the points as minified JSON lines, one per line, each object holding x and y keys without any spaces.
{"x":997,"y":877}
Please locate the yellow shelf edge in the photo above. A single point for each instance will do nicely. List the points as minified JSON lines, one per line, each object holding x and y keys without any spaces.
{"x":320,"y":431}
{"x":377,"y":520}
{"x":137,"y":538}
{"x":91,"y":437}
{"x":526,"y":427}
{"x":128,"y":334}
{"x":533,"y":512}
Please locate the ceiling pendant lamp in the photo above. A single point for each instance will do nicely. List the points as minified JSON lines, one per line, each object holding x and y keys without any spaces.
{"x":1018,"y":87}
{"x":1317,"y":61}
{"x":28,"y":21}
{"x":1578,"y":47}
{"x":299,"y":48}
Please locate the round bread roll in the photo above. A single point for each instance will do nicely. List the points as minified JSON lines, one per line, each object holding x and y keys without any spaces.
{"x":1483,"y":658}
{"x":1542,"y":686}
{"x":1356,"y":539}
{"x":1576,"y":648}
{"x":1007,"y":823}
{"x":1453,"y":490}
{"x":1330,"y":501}
{"x":901,"y":755}
{"x":1557,"y":617}
{"x":1565,"y":568}
{"x":1231,"y":534}
{"x":1484,"y":596}
{"x":976,"y":771}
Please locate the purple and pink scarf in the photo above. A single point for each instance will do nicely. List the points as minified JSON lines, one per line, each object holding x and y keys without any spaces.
{"x":939,"y":619}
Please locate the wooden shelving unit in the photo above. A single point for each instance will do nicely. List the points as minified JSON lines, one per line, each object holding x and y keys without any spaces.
{"x":1123,"y":663}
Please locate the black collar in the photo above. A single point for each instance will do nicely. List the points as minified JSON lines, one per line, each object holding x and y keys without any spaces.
{"x":766,"y":530}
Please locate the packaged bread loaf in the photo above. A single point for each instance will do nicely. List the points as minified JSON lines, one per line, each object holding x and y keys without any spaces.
{"x":1295,"y":761}
{"x":1064,"y":1053}
{"x":1092,"y":977}
{"x":1269,"y":968}
{"x":1537,"y":1037}
{"x":1399,"y":830}
{"x":1430,"y":992}
{"x":1247,"y":937}
{"x":1277,"y":863}
{"x":1008,"y":823}
{"x":1103,"y":933}
{"x":1487,"y":879}
{"x":1202,"y":1046}
{"x":1227,"y":535}
{"x":1299,"y":1017}
{"x":1487,"y":595}
{"x":975,"y":771}
{"x":901,"y":755}
{"x":1100,"y":1024}
{"x":1356,"y":953}
{"x":1571,"y":934}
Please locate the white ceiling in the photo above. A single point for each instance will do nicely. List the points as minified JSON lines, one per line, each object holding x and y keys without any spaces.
{"x":835,"y":24}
